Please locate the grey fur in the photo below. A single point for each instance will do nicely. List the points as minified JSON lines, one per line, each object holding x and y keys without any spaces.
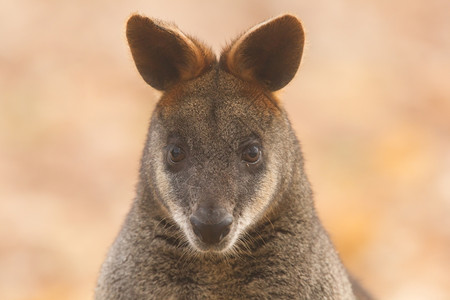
{"x":283,"y":253}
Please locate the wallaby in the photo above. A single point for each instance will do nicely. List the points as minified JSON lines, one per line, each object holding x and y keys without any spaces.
{"x":224,"y":209}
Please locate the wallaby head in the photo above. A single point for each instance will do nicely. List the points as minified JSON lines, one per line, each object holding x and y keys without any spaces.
{"x":220,"y":152}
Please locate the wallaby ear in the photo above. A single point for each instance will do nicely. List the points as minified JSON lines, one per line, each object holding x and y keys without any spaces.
{"x":163,"y":54}
{"x":268,"y":53}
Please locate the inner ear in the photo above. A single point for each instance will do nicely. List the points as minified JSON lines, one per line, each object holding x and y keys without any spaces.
{"x":163,"y":54}
{"x":269,"y":53}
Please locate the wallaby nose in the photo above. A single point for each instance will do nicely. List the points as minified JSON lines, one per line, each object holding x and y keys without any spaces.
{"x":211,"y":225}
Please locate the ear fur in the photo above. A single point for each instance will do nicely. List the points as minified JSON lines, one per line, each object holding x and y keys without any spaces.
{"x":268,"y":53}
{"x":163,"y":54}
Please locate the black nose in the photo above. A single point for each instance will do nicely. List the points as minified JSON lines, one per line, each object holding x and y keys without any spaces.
{"x":211,"y":225}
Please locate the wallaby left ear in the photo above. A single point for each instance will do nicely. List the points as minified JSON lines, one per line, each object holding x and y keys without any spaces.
{"x":268,"y":53}
{"x":163,"y":54}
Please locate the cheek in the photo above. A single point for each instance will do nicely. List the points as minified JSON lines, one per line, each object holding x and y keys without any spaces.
{"x":170,"y":196}
{"x":256,"y":202}
{"x":160,"y":178}
{"x":185,"y":192}
{"x":163,"y":184}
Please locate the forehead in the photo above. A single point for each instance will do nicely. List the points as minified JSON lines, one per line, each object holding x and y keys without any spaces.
{"x":217,"y":105}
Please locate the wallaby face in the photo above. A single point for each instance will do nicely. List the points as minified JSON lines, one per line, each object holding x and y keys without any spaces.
{"x":223,"y":207}
{"x":214,"y":143}
{"x":217,"y":170}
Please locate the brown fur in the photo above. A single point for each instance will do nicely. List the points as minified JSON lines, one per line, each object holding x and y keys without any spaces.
{"x":163,"y":54}
{"x":268,"y":53}
{"x":276,"y":247}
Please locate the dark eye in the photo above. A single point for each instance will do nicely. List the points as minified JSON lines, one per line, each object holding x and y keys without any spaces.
{"x":176,"y":154}
{"x":251,"y":154}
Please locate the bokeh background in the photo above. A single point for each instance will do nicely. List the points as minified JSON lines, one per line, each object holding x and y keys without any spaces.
{"x":371,"y":106}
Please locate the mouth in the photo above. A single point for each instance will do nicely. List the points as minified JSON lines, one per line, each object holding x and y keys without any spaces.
{"x":216,"y":248}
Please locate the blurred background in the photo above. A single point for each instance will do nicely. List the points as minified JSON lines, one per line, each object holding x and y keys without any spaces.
{"x":371,"y":106}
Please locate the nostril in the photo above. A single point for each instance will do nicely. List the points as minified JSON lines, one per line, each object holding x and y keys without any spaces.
{"x":196,"y":230}
{"x":211,"y":233}
{"x":225,"y":227}
{"x":197,"y":226}
{"x":224,"y":233}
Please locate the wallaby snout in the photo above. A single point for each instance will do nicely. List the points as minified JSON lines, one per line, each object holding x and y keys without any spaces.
{"x":210,"y":224}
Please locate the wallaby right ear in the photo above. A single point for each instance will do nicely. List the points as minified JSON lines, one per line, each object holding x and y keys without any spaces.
{"x":163,"y":54}
{"x":268,"y":53}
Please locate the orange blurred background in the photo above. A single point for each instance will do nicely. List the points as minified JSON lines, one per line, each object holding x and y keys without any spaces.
{"x":371,"y":106}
